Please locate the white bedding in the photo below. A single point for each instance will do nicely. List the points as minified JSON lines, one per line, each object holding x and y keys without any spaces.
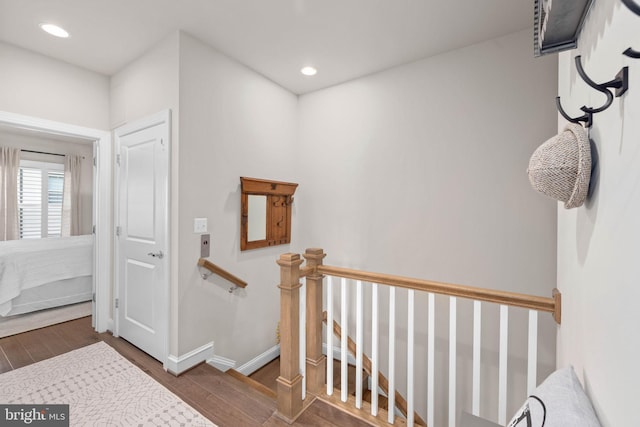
{"x":52,"y":294}
{"x":26,"y":264}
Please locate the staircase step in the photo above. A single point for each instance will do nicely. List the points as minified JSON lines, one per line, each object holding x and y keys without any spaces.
{"x":252,"y":383}
{"x":383,"y":402}
{"x":400,"y":401}
{"x":230,"y":396}
{"x":363,"y":414}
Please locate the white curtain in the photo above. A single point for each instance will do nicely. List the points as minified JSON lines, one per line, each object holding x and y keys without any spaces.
{"x":9,"y":169}
{"x":71,"y":196}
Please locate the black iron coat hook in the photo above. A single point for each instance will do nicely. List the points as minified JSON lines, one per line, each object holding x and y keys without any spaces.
{"x":635,"y":8}
{"x":587,"y":118}
{"x":632,"y":53}
{"x":620,"y":84}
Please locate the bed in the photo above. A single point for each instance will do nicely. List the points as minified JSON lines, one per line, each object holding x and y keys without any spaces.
{"x":45,"y":273}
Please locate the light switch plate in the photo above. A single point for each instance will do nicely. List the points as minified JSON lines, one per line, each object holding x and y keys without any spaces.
{"x":200,"y":225}
{"x":204,"y":245}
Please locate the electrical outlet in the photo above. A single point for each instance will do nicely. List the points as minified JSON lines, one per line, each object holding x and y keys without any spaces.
{"x":204,"y":245}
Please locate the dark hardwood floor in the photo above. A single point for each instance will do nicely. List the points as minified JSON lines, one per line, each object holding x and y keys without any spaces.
{"x":218,"y":396}
{"x":269,"y":373}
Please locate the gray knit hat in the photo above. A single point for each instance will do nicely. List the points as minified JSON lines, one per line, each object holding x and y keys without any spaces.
{"x":561,"y":167}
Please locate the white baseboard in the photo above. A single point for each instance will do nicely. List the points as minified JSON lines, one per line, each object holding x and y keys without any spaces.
{"x":259,"y":361}
{"x":224,"y":364}
{"x":110,"y":325}
{"x":221,"y":363}
{"x":177,"y":365}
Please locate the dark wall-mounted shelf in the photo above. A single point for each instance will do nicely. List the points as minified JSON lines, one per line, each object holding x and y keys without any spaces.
{"x":557,"y":28}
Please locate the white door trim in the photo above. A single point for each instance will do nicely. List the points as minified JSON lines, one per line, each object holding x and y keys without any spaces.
{"x":134,"y":126}
{"x":101,"y":192}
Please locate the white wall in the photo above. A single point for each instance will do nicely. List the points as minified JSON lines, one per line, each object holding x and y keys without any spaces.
{"x":421,"y":171}
{"x":144,"y":87}
{"x":41,"y":142}
{"x":39,"y":86}
{"x":233,"y":123}
{"x":599,"y":243}
{"x":227,"y":122}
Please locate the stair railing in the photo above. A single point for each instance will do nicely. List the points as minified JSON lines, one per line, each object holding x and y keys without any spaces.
{"x":304,"y":367}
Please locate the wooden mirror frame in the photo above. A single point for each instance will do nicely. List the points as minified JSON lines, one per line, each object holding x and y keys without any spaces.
{"x":279,"y":200}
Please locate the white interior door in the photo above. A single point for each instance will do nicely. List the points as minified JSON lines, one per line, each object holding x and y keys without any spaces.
{"x":142,"y":308}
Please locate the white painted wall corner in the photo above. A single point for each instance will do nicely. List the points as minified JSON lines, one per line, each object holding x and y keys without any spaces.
{"x":178,"y":365}
{"x":259,"y":361}
{"x":221,"y":363}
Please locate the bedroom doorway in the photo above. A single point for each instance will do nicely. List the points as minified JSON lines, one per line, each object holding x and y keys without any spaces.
{"x":142,"y":234}
{"x":101,"y":140}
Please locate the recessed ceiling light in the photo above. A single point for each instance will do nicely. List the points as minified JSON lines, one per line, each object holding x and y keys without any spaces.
{"x":309,"y":71}
{"x":54,"y":30}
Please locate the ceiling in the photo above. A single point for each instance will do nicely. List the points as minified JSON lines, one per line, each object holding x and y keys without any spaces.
{"x":343,"y":39}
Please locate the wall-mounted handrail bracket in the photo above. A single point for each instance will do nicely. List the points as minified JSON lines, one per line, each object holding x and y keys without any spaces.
{"x":214,"y":269}
{"x":587,"y":118}
{"x":631,"y":53}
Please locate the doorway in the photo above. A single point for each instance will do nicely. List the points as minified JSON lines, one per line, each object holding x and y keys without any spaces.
{"x":101,"y":319}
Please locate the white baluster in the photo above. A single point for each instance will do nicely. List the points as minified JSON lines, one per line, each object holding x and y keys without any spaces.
{"x":533,"y":352}
{"x":344,"y":361}
{"x":374,"y":349}
{"x":303,"y":339}
{"x":452,"y":360}
{"x":410,"y":338}
{"x":431,"y":355}
{"x":392,"y":354}
{"x":359,"y":344}
{"x":477,"y":333}
{"x":502,"y":364}
{"x":330,"y":335}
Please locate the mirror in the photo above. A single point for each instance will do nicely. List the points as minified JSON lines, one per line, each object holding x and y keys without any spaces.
{"x":257,"y":217}
{"x":265,"y":218}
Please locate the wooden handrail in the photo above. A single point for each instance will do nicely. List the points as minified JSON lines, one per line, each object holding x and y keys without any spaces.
{"x":551,"y":305}
{"x":290,"y":382}
{"x":305,"y":271}
{"x":222,"y":273}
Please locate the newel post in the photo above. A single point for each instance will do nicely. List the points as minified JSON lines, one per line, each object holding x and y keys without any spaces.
{"x":316,"y":361}
{"x":290,"y":380}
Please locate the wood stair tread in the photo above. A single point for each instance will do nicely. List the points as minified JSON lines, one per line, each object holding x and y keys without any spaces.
{"x":363,"y":414}
{"x":252,"y":383}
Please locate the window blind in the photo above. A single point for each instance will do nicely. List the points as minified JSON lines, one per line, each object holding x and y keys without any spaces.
{"x":40,"y":187}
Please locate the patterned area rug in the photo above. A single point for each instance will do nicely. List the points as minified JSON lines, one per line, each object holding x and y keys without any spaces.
{"x":101,"y":388}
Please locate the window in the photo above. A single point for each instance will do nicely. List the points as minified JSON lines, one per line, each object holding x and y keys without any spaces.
{"x":40,"y":186}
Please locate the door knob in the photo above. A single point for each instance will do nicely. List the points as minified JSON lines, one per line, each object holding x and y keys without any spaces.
{"x":158,"y":255}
